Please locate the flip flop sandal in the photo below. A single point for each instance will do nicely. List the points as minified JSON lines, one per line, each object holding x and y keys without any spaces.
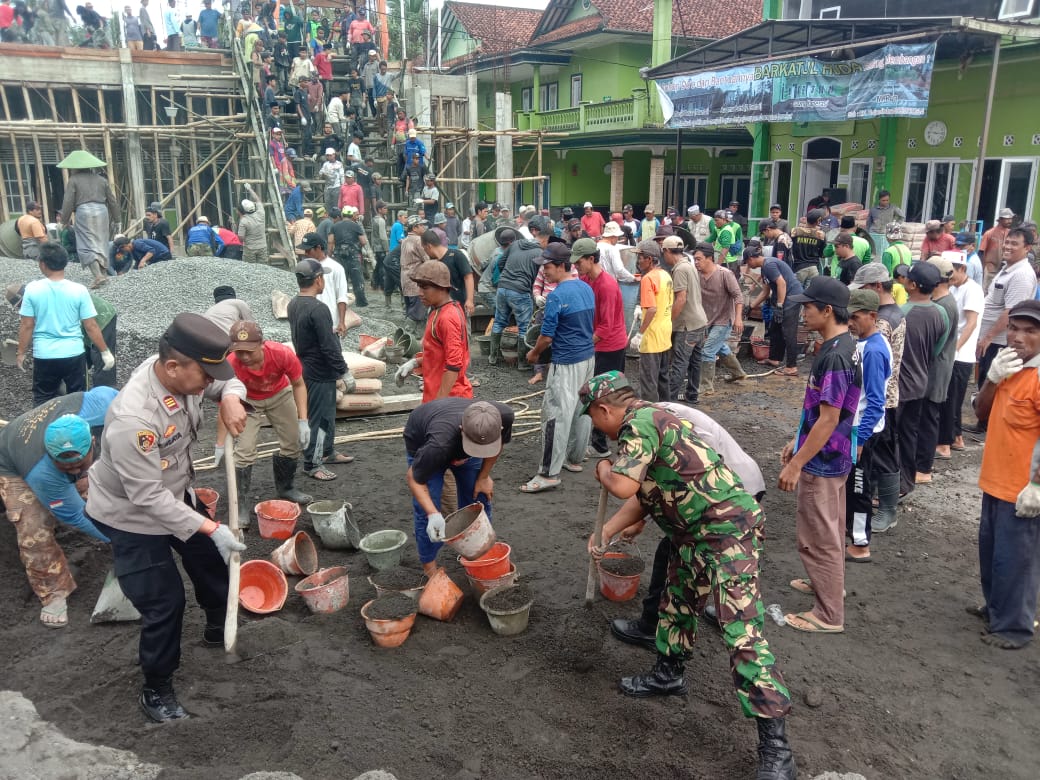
{"x":937,"y":456}
{"x":772,"y":363}
{"x":789,"y":372}
{"x":810,"y":625}
{"x":955,"y":448}
{"x":338,"y":458}
{"x":577,"y":468}
{"x":854,"y":559}
{"x":322,"y":474}
{"x":58,"y":611}
{"x":803,"y":586}
{"x":539,"y":484}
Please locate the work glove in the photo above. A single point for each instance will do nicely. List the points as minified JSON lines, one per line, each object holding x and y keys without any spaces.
{"x":539,"y":301}
{"x":305,"y":433}
{"x":636,"y":341}
{"x":778,"y":315}
{"x":404,"y":370}
{"x":1006,"y":363}
{"x":418,"y":201}
{"x":107,"y":359}
{"x":218,"y":455}
{"x":349,"y":383}
{"x":637,"y":314}
{"x":1028,"y":502}
{"x":435,"y":527}
{"x":303,"y":121}
{"x":226,"y":542}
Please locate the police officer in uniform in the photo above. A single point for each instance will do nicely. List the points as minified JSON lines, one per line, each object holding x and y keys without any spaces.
{"x":142,"y":499}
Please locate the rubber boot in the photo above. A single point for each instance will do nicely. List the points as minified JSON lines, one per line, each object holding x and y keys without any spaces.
{"x":707,"y":385}
{"x":244,"y":478}
{"x":666,"y":679}
{"x":159,"y":701}
{"x":284,"y":476}
{"x":496,"y":349}
{"x":775,"y":760}
{"x":521,"y":362}
{"x":885,"y":518}
{"x":731,"y":364}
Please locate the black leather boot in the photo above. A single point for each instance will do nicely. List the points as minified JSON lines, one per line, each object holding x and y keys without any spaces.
{"x":243,"y":480}
{"x":159,"y":702}
{"x":633,"y":632}
{"x":284,"y":476}
{"x":666,"y":679}
{"x":775,"y":760}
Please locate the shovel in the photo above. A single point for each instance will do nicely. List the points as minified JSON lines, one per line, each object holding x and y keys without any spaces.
{"x":597,"y":540}
{"x":234,"y":561}
{"x":112,"y":605}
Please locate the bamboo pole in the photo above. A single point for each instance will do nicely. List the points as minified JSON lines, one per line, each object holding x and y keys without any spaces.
{"x":39,"y":163}
{"x":491,"y":180}
{"x":216,"y":181}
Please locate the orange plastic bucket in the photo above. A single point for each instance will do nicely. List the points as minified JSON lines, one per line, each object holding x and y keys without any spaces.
{"x":483,"y":586}
{"x":493,"y":563}
{"x":209,"y":498}
{"x":388,"y":633}
{"x":617,"y":587}
{"x":441,"y":598}
{"x":326,"y":591}
{"x":760,"y":349}
{"x":262,"y":587}
{"x":277,"y":519}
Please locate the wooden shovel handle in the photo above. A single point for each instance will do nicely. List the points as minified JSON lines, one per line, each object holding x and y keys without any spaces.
{"x":597,"y":540}
{"x":234,"y":562}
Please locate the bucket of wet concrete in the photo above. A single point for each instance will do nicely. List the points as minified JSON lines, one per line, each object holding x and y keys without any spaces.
{"x":409,"y":582}
{"x":335,"y":524}
{"x":469,"y":532}
{"x":508,"y":609}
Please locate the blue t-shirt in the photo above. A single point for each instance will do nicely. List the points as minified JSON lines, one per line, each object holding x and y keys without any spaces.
{"x":397,"y":235}
{"x":773,"y":269}
{"x":569,"y":312}
{"x":875,"y":356}
{"x":142,"y":246}
{"x":59,"y":308}
{"x":208,"y":19}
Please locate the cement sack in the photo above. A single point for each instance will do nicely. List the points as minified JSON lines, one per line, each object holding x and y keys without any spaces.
{"x":352,"y":319}
{"x":363,"y":367}
{"x":280,"y":304}
{"x":367,"y":386}
{"x":358,"y":402}
{"x":377,"y":349}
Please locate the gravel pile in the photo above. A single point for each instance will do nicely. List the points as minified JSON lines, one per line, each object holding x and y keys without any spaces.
{"x":148,"y":300}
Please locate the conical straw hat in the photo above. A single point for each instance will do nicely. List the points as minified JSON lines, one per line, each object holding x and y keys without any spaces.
{"x":82,"y":159}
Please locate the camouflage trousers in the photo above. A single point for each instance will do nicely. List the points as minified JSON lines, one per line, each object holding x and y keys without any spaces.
{"x":713,"y":562}
{"x":44,"y":560}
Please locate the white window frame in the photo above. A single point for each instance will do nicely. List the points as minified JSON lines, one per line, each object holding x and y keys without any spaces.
{"x":774,"y":195}
{"x":868,"y":163}
{"x":699,"y":182}
{"x":575,"y":90}
{"x":525,"y":99}
{"x":951,"y":203}
{"x":1002,"y":188}
{"x":831,"y":12}
{"x":549,"y":97}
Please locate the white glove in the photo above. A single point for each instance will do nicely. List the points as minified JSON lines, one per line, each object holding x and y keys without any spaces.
{"x":1028,"y":503}
{"x":419,"y":201}
{"x":636,"y":341}
{"x":226,"y":542}
{"x":539,"y":301}
{"x":350,"y":384}
{"x":303,"y":121}
{"x":435,"y":526}
{"x":1006,"y":363}
{"x":107,"y":359}
{"x":218,"y":455}
{"x":637,"y":313}
{"x":305,"y":433}
{"x":404,"y":370}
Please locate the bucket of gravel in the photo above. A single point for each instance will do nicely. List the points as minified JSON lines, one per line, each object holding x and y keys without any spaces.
{"x":508,"y":609}
{"x":389,"y":619}
{"x":409,"y":582}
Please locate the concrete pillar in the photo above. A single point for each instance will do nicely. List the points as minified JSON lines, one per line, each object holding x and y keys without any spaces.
{"x":617,"y":183}
{"x":660,"y":49}
{"x":135,"y":167}
{"x":504,"y":150}
{"x":656,"y":191}
{"x":472,"y":116}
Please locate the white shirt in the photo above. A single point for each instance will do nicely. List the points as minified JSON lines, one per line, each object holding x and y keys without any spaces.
{"x":969,"y":297}
{"x":332,"y":172}
{"x":610,"y":261}
{"x":701,"y":229}
{"x":335,"y":291}
{"x":334,"y":115}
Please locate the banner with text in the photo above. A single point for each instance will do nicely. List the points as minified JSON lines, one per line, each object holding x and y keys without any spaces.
{"x":892,"y":81}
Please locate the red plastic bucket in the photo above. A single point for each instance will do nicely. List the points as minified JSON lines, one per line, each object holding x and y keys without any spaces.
{"x":262,"y":587}
{"x":618,"y":587}
{"x":277,"y":519}
{"x":493,"y":563}
{"x":209,"y":498}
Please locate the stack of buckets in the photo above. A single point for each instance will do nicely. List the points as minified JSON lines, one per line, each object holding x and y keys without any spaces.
{"x":485,"y":559}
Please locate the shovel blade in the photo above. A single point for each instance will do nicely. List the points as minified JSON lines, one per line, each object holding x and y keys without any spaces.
{"x":112,"y":605}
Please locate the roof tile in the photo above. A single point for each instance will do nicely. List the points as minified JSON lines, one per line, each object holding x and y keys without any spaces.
{"x":499,"y":29}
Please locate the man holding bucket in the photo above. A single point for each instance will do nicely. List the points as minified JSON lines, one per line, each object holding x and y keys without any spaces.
{"x":456,"y":434}
{"x":665,"y":471}
{"x":141,"y":497}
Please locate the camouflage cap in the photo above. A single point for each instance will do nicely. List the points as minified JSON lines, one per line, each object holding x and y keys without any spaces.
{"x":599,"y":386}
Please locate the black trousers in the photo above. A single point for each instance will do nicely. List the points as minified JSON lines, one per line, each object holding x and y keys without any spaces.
{"x":950,"y":415}
{"x":352,"y":267}
{"x":377,"y":274}
{"x":859,"y":508}
{"x":148,"y":575}
{"x":928,"y":436}
{"x":909,"y":420}
{"x":783,"y":339}
{"x":49,"y":373}
{"x":602,"y":362}
{"x":321,"y":414}
{"x":884,"y":456}
{"x":98,"y":375}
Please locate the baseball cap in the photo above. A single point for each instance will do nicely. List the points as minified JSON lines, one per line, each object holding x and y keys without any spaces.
{"x":694,"y":209}
{"x":449,"y":205}
{"x":308,"y":212}
{"x":649,"y":248}
{"x":648,"y":209}
{"x":415,"y":220}
{"x":768,"y":224}
{"x":825,"y":290}
{"x":433,"y":272}
{"x":582,"y":247}
{"x":412,"y":133}
{"x":599,"y":386}
{"x":439,"y":218}
{"x":349,"y":211}
{"x":612,"y":229}
{"x":223,"y":292}
{"x":943,"y":263}
{"x":956,"y":258}
{"x":310,"y":269}
{"x":246,"y":336}
{"x":734,"y":203}
{"x":587,"y":204}
{"x":68,"y":438}
{"x":721,"y":213}
{"x":1029,"y":309}
{"x":932,"y":224}
{"x":120,"y":240}
{"x":814,"y":216}
{"x":481,"y":430}
{"x":334,"y":212}
{"x":894,"y":231}
{"x":776,"y":206}
{"x":1006,"y":214}
{"x":248,"y":207}
{"x":964,"y":238}
{"x":901,"y":270}
{"x":863,"y":300}
{"x":870,"y":273}
{"x":349,"y":173}
{"x":949,"y":218}
{"x":276,"y":130}
{"x":330,"y":150}
{"x":203,"y":341}
{"x":672,"y":242}
{"x":311,"y":241}
{"x":556,"y":253}
{"x":574,"y":224}
{"x":203,"y":219}
{"x":627,"y":207}
{"x":924,"y":274}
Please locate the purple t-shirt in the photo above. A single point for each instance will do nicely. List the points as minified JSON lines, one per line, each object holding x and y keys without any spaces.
{"x":835,"y":380}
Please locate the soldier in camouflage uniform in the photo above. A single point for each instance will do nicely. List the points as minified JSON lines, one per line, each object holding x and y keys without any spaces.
{"x":667,"y":473}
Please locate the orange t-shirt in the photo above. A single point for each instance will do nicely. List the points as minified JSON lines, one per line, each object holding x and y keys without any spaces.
{"x":1014,"y":427}
{"x":446,"y":348}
